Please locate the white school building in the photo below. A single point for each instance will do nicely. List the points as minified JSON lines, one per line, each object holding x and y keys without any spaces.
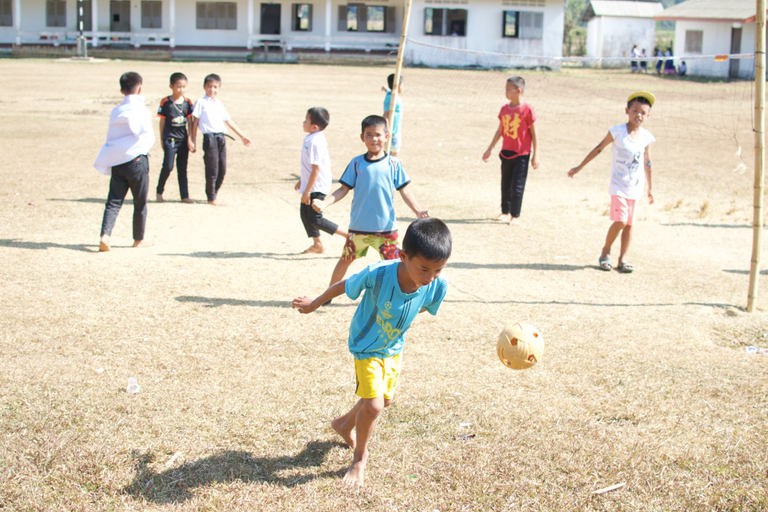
{"x":519,"y":27}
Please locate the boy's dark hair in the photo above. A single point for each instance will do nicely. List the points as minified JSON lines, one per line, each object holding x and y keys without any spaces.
{"x":319,"y":116}
{"x":518,"y":81}
{"x":213,"y":77}
{"x":429,"y":238}
{"x":178,"y":76}
{"x":391,"y":80}
{"x":641,"y":100}
{"x":130,"y":81}
{"x":374,"y":121}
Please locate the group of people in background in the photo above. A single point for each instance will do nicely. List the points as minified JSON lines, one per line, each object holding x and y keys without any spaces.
{"x":667,"y":65}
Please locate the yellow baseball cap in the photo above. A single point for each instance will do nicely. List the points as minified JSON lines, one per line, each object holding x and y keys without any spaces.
{"x":642,"y":94}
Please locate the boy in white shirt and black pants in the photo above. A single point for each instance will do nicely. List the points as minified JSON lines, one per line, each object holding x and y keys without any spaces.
{"x":125,"y":157}
{"x":315,"y":181}
{"x":212,"y":118}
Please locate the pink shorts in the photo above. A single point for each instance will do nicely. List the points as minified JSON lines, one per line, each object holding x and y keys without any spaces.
{"x":622,"y":210}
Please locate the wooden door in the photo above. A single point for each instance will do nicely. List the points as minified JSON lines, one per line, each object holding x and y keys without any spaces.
{"x":120,"y":16}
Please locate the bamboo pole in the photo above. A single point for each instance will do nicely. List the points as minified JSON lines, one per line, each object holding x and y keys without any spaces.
{"x":759,"y":128}
{"x":398,"y":70}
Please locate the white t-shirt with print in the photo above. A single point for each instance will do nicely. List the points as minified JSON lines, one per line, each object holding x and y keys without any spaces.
{"x":627,"y":173}
{"x":315,"y":152}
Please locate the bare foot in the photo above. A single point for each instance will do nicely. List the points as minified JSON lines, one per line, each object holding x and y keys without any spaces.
{"x":104,"y":244}
{"x":187,"y":200}
{"x":514,"y":221}
{"x":142,"y":243}
{"x":356,"y":472}
{"x":504,"y":217}
{"x":344,"y":432}
{"x":314,"y":250}
{"x":213,"y":203}
{"x":160,"y":198}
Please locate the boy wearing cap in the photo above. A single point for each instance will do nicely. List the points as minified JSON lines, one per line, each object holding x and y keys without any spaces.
{"x":631,"y":145}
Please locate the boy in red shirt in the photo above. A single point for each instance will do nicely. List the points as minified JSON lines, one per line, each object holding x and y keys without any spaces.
{"x":517,"y":127}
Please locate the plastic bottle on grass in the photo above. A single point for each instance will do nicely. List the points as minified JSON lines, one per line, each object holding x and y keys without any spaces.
{"x":133,"y":385}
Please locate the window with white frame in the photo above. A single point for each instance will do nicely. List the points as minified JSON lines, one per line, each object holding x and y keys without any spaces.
{"x":445,"y":22}
{"x":302,"y":17}
{"x":366,"y":18}
{"x":531,"y":25}
{"x":217,"y":15}
{"x":151,"y":14}
{"x":56,"y":13}
{"x":693,"y":40}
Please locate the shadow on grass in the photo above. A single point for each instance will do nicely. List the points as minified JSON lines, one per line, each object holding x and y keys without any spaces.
{"x":177,"y":485}
{"x":264,"y":255}
{"x":744,"y":272}
{"x":592,"y":304}
{"x":458,"y":221}
{"x":210,"y":302}
{"x":44,"y":246}
{"x":101,"y":200}
{"x":700,"y":225}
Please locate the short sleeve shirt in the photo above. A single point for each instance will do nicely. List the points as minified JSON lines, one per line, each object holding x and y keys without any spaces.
{"x":314,"y":151}
{"x":397,"y":122}
{"x":385,"y":313}
{"x":176,"y":115}
{"x":211,"y":114}
{"x":374,"y":183}
{"x":627,"y":173}
{"x":516,"y":128}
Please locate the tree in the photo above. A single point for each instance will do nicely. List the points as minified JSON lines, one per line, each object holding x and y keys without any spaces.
{"x":573,"y":12}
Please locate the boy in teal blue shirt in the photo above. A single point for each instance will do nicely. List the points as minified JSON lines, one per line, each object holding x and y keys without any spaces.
{"x":394,"y":292}
{"x":394,"y":147}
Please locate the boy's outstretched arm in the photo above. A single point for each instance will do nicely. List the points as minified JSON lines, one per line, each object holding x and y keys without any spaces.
{"x":407,"y":196}
{"x":592,"y":154}
{"x":496,"y":138}
{"x":535,"y":146}
{"x":647,"y":161}
{"x":337,"y":195}
{"x":235,"y":129}
{"x":306,"y":305}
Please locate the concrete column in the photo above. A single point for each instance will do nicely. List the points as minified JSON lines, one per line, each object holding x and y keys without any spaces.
{"x":172,"y":23}
{"x":95,"y":22}
{"x":328,"y":23}
{"x":17,"y":19}
{"x":250,"y":24}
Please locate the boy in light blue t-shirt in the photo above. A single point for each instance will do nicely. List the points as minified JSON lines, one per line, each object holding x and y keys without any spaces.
{"x":397,"y":121}
{"x":374,"y":177}
{"x":394,"y":292}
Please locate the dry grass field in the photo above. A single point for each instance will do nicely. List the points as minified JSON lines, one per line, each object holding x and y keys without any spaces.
{"x":645,"y":380}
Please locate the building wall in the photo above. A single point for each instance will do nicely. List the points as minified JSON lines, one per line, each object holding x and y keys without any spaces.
{"x":484,"y":34}
{"x":716,"y":40}
{"x":613,"y":36}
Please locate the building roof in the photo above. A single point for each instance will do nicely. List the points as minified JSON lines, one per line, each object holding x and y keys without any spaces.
{"x":624,"y":9}
{"x":711,"y":10}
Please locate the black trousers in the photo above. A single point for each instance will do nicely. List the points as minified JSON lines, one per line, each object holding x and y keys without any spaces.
{"x":313,"y":221}
{"x":178,"y":149}
{"x":215,"y":158}
{"x":133,"y":176}
{"x":514,"y":172}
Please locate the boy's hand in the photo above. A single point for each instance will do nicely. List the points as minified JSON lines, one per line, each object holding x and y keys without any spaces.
{"x":535,"y":162}
{"x":650,"y":197}
{"x":573,"y":171}
{"x":191,"y":146}
{"x":304,"y":305}
{"x":305,"y":197}
{"x":318,"y":205}
{"x":246,"y":141}
{"x":424,"y":214}
{"x":487,"y":155}
{"x":298,"y":185}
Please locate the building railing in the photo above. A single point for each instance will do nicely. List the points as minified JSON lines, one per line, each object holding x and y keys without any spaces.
{"x":56,"y":38}
{"x":292,"y":41}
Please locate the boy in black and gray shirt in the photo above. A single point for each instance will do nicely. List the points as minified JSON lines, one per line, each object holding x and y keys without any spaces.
{"x":175,"y":115}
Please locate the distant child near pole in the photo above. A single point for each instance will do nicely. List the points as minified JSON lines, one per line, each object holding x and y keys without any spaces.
{"x":374,"y":176}
{"x":315,"y":181}
{"x":124,"y":157}
{"x":517,"y":126}
{"x":394,"y":147}
{"x":394,"y":292}
{"x":631,"y":146}
{"x":212,"y":119}
{"x":175,"y":115}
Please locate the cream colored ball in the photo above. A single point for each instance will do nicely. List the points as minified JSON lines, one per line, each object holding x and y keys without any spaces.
{"x":520,"y":346}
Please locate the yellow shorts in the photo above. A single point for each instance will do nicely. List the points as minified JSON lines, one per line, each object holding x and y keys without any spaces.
{"x":377,"y":377}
